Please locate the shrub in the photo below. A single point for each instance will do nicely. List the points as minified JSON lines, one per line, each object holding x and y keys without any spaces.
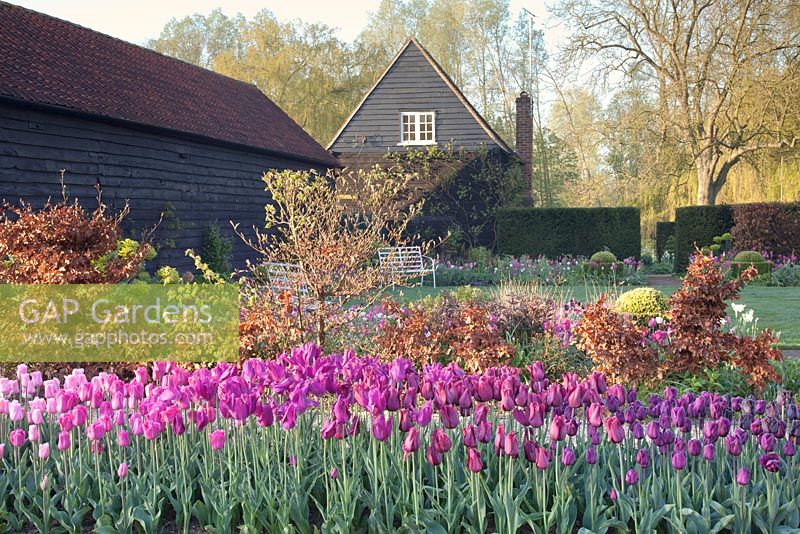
{"x":664,"y":230}
{"x":63,"y":244}
{"x":555,"y":232}
{"x":482,"y":256}
{"x":696,"y":340}
{"x":604,"y":257}
{"x":763,"y":226}
{"x":217,"y":250}
{"x":749,"y":258}
{"x":642,"y":303}
{"x":696,"y":227}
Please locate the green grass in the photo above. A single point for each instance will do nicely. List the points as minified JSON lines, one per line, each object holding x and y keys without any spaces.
{"x":777,"y":308}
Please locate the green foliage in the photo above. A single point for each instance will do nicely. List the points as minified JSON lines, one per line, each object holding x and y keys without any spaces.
{"x":168,"y":275}
{"x":462,"y":188}
{"x":642,"y":303}
{"x":664,"y":230}
{"x":480,"y":255}
{"x":603,"y":256}
{"x":747,"y":258}
{"x":554,"y":232}
{"x":217,"y":250}
{"x":125,"y":249}
{"x":697,"y":226}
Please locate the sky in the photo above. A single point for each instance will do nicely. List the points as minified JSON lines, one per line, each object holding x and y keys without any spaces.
{"x":141,"y":20}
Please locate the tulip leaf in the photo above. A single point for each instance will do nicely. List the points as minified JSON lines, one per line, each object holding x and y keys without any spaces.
{"x":722,"y":523}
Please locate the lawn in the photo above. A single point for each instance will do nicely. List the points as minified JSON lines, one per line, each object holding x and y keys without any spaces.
{"x":777,"y":308}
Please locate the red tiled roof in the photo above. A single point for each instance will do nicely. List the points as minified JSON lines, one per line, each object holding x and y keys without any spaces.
{"x":46,"y":60}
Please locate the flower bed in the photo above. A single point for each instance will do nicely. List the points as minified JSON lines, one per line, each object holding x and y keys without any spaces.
{"x":351,"y":443}
{"x":566,"y":270}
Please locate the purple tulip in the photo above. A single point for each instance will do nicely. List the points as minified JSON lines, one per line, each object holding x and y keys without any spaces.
{"x":542,"y":458}
{"x":433,"y":456}
{"x":511,"y":445}
{"x":789,"y":449}
{"x":411,"y":443}
{"x":567,"y":456}
{"x":441,"y":440}
{"x":771,"y":462}
{"x":632,"y":477}
{"x":474,"y":461}
{"x":679,"y":461}
{"x":614,"y":430}
{"x":743,"y":477}
{"x":382,"y":427}
{"x":695,"y":447}
{"x":591,"y":455}
{"x":643,"y":458}
{"x":709,"y":452}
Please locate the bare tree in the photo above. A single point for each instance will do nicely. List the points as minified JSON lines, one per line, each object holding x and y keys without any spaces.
{"x":335,"y":244}
{"x":720,"y":70}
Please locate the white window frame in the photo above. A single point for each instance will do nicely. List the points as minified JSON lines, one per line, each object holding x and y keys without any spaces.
{"x":417,"y":115}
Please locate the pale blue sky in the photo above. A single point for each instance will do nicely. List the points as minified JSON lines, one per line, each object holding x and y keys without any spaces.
{"x":136,"y":21}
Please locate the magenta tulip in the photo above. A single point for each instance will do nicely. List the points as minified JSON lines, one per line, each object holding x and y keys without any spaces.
{"x":474,"y":460}
{"x":217,"y":439}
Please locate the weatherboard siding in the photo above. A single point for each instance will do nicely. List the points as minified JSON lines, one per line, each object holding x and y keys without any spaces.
{"x":411,"y":84}
{"x":153,"y":172}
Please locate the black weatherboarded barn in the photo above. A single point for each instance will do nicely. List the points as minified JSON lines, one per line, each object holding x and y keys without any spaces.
{"x":166,"y":136}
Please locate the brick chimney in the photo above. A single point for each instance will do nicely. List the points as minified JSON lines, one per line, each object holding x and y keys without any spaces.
{"x":525,"y":143}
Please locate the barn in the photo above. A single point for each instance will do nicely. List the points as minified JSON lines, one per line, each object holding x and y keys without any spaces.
{"x":178,"y":143}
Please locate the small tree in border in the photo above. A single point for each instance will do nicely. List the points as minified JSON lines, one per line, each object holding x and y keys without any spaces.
{"x":335,"y":246}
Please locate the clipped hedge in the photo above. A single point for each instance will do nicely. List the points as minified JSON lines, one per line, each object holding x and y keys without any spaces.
{"x":554,"y":232}
{"x":696,"y":227}
{"x":767,"y":226}
{"x":664,"y":229}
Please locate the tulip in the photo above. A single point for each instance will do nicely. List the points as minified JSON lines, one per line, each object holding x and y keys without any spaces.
{"x":632,"y":477}
{"x":643,"y":458}
{"x":612,"y":494}
{"x":679,"y":460}
{"x":558,"y":428}
{"x":382,"y":427}
{"x":474,"y":460}
{"x":789,"y":449}
{"x":591,"y":455}
{"x":424,"y":414}
{"x":44,"y":451}
{"x":469,"y":436}
{"x":441,"y":440}
{"x":433,"y":456}
{"x":17,"y":437}
{"x":709,"y":452}
{"x":695,"y":447}
{"x":542,"y":458}
{"x":771,"y":462}
{"x":64,"y":441}
{"x":411,"y":443}
{"x":743,"y":476}
{"x":511,"y":445}
{"x":614,"y":430}
{"x":567,"y":456}
{"x":2,"y":450}
{"x":217,"y":439}
{"x":334,"y":473}
{"x":122,"y":470}
{"x":33,"y":433}
{"x":15,"y":411}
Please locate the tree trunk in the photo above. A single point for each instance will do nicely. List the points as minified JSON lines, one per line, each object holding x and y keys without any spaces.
{"x":707,"y":188}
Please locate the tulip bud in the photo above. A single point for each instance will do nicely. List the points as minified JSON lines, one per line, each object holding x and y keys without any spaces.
{"x":217,"y":439}
{"x":122,"y":470}
{"x":567,"y":456}
{"x":632,"y":477}
{"x":474,"y":460}
{"x":44,"y":451}
{"x":743,"y":476}
{"x":334,"y":473}
{"x":591,"y":456}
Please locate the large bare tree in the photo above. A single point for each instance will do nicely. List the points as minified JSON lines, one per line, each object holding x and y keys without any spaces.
{"x":721,"y":71}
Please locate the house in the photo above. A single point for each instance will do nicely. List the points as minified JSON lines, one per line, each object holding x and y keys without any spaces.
{"x":169,"y":138}
{"x":415,"y":106}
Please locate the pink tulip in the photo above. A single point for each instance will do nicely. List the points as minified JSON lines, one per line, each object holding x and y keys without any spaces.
{"x":15,"y":411}
{"x":44,"y":451}
{"x":33,"y":433}
{"x":217,"y":439}
{"x":64,"y":441}
{"x":17,"y":437}
{"x":474,"y":461}
{"x":122,"y":470}
{"x":614,"y":430}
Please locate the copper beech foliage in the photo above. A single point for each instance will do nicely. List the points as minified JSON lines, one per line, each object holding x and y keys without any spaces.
{"x":58,"y":244}
{"x":462,"y":332}
{"x":697,"y":340}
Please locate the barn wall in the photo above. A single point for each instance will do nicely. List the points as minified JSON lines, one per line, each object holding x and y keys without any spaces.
{"x":194,"y":182}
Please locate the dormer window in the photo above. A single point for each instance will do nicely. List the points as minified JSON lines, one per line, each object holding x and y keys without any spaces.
{"x":417,"y":128}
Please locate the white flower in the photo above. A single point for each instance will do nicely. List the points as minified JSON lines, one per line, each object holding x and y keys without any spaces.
{"x":747,"y":316}
{"x":738,"y":308}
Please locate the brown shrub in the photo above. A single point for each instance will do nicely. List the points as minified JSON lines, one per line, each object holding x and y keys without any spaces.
{"x":61,"y":244}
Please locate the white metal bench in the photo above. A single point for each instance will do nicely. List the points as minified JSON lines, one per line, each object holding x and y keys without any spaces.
{"x":286,"y":277}
{"x":407,"y":261}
